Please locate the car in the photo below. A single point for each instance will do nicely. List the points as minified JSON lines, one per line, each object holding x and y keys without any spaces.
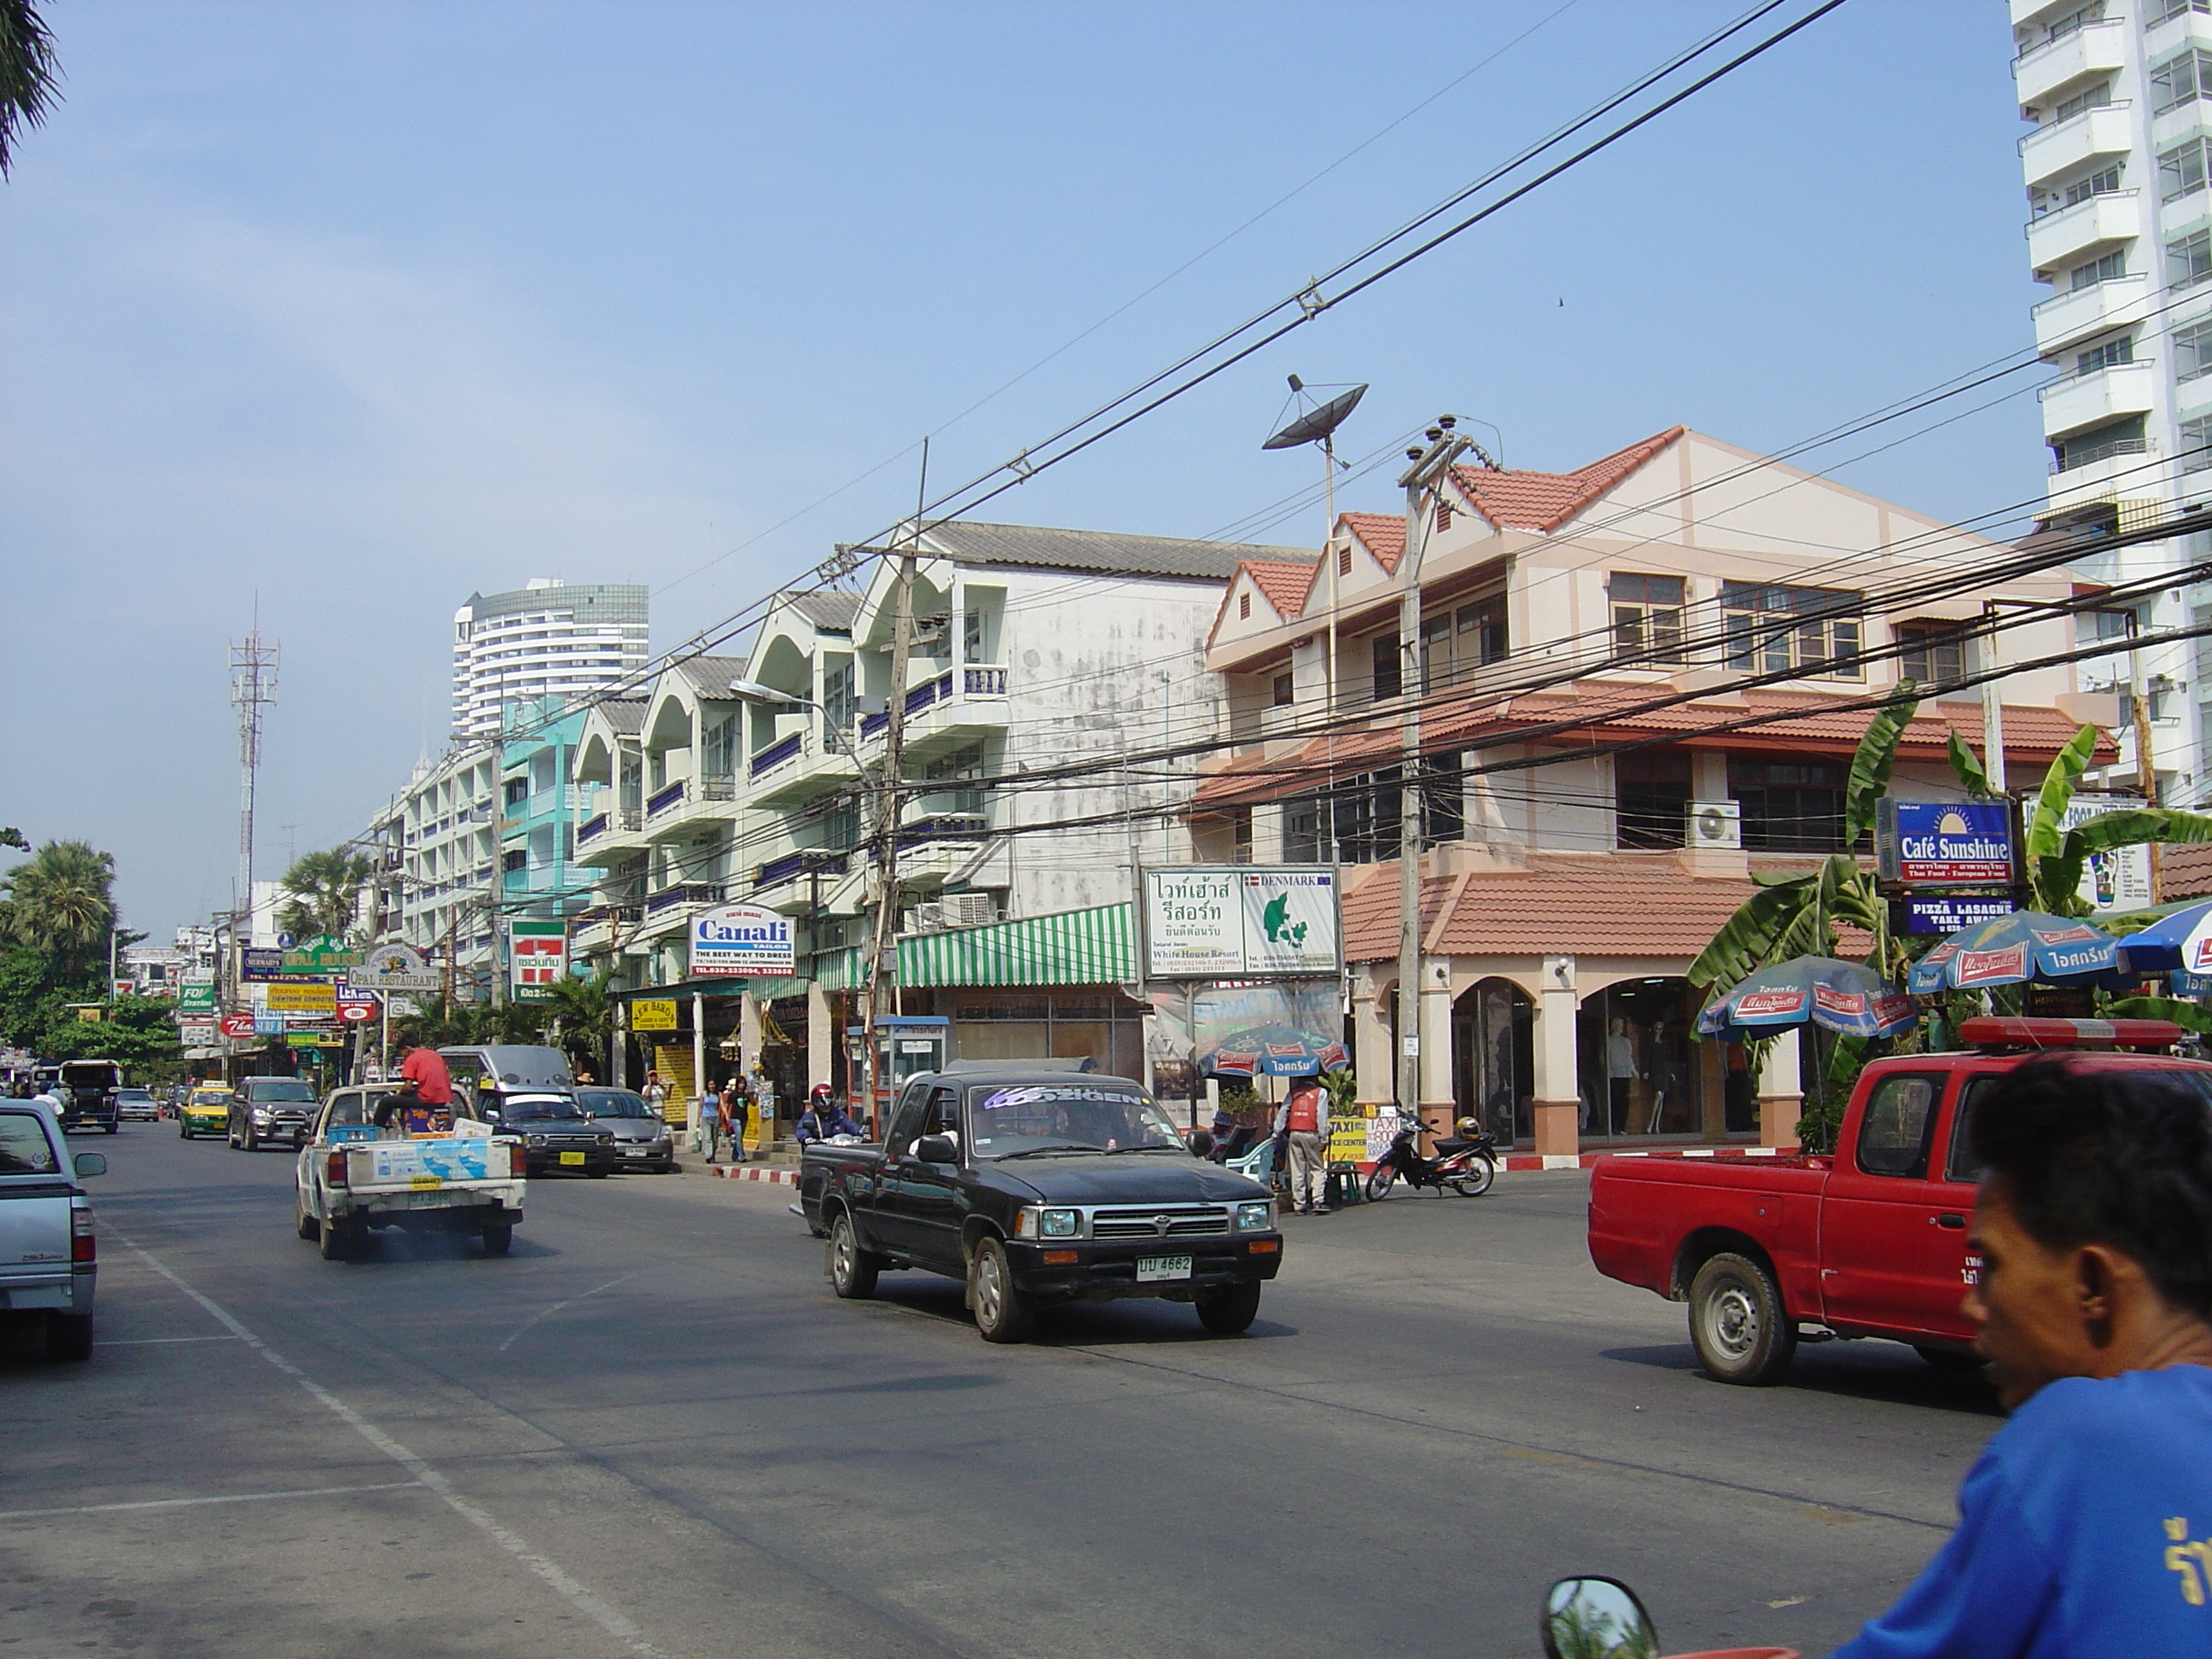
{"x":204,"y":1112}
{"x":49,"y":1258}
{"x":555,"y":1134}
{"x":354,"y":1179}
{"x":137,"y":1106}
{"x":271,"y":1109}
{"x":642,"y":1138}
{"x":87,"y":1091}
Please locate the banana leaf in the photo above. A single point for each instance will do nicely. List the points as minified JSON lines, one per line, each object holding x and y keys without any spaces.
{"x":1747,"y":938}
{"x":2187,"y":1015}
{"x":2045,"y":836}
{"x":1871,"y":764}
{"x":1968,"y":769}
{"x":2058,"y":875}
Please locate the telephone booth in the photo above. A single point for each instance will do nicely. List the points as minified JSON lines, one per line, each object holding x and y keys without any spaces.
{"x":905,"y":1045}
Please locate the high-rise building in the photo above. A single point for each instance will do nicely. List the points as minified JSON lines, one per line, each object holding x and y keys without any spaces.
{"x":551,"y":639}
{"x":2119,"y":189}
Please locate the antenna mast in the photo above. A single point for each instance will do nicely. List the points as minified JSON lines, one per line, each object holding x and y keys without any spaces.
{"x":252,"y":688}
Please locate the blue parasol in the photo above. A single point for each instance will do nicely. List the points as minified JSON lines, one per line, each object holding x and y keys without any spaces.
{"x":1274,"y":1051}
{"x":1848,"y":997}
{"x":2010,"y":949}
{"x":2182,"y":940}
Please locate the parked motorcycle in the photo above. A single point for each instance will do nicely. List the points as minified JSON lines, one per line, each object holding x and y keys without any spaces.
{"x":1597,"y":1618}
{"x":1465,"y":1163}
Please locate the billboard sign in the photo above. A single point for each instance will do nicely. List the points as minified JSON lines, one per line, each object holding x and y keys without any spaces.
{"x":1950,"y":914}
{"x":537,"y":956}
{"x":258,"y":966}
{"x":652,"y":1014}
{"x":742,"y":941}
{"x":1239,"y":920}
{"x":1934,"y":842}
{"x":196,"y":997}
{"x":303,"y":997}
{"x":394,"y":968}
{"x":326,"y":953}
{"x":2118,"y":879}
{"x":238,"y":1025}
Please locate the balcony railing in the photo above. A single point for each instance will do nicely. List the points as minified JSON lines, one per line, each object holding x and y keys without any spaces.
{"x":986,"y":682}
{"x":2104,"y":452}
{"x":596,"y":825}
{"x":982,"y":681}
{"x":690,"y":892}
{"x":660,"y":801}
{"x":718,"y":789}
{"x":775,"y":754}
{"x":2049,"y":388}
{"x":798,"y":864}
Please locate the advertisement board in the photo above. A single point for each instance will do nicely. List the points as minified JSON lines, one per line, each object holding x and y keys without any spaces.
{"x":1948,"y":914}
{"x":2117,"y":879}
{"x":1209,"y":921}
{"x":306,"y":997}
{"x":742,"y":941}
{"x":196,"y":996}
{"x":1264,"y":1027}
{"x":326,"y":953}
{"x":198,"y":1034}
{"x":258,"y":966}
{"x":394,"y":968}
{"x":537,"y":957}
{"x":652,"y":1014}
{"x":1930,"y":842}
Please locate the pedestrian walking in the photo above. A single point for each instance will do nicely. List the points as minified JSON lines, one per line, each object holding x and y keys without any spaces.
{"x":712,"y":1123}
{"x":1300,"y":1120}
{"x":737,"y":1108}
{"x":656,"y":1095}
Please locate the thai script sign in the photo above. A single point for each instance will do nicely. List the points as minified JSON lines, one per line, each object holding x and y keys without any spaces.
{"x":1227,"y":921}
{"x":742,"y":941}
{"x":538,"y":956}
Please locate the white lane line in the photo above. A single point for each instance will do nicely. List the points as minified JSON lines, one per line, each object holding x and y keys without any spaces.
{"x":149,"y":1341}
{"x":523,"y":1328}
{"x":600,"y":1612}
{"x":188,"y":1502}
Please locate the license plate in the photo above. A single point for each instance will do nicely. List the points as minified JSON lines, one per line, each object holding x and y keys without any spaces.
{"x":1149,"y":1267}
{"x":633,"y":1152}
{"x":572,"y":1158}
{"x":424,"y":1183}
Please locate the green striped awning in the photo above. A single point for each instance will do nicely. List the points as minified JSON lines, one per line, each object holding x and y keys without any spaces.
{"x":1075,"y":947}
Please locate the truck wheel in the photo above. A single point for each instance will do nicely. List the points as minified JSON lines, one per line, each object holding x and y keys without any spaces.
{"x":852,"y":1270}
{"x":69,"y":1336}
{"x":1003,"y":1312}
{"x":337,"y":1242}
{"x":249,"y":1137}
{"x":498,"y":1241}
{"x":1229,"y":1309}
{"x":1737,"y":1323}
{"x":304,"y":1225}
{"x":1380,"y":1181}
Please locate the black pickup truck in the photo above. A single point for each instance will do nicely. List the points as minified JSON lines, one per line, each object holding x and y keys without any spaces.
{"x":1035,"y":1186}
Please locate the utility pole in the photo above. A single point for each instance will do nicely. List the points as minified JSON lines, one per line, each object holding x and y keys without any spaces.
{"x":252,"y":688}
{"x":887,"y":826}
{"x":1429,"y":465}
{"x":1993,"y":755}
{"x":2146,"y":763}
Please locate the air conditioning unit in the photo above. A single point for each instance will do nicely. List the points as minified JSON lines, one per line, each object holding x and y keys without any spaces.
{"x":968,"y":909}
{"x":1714,"y":823}
{"x":927,"y":918}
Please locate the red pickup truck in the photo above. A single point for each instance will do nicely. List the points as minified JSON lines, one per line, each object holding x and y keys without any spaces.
{"x":1870,"y":1242}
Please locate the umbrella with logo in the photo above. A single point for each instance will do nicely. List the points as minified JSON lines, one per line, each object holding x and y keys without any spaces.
{"x":1847,"y":997}
{"x":2181,"y":941}
{"x":2011,"y":950}
{"x":1274,"y":1051}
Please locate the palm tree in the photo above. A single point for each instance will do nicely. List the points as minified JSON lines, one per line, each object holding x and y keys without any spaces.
{"x":325,"y":892}
{"x":60,"y":903}
{"x":583,"y":1021}
{"x":29,"y":77}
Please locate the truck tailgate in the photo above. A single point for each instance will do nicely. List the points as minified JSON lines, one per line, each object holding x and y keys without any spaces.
{"x":34,"y":1225}
{"x":427,"y":1165}
{"x":1641,"y":1209}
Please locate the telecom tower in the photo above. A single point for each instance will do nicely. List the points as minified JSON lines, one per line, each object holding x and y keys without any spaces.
{"x":252,"y":688}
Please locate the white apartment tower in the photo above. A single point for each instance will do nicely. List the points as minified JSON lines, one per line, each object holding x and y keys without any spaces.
{"x":551,"y":639}
{"x":2118,"y":170}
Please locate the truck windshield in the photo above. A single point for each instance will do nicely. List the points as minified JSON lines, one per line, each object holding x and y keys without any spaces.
{"x":519,"y":1111}
{"x":1066,"y":1117}
{"x":279,"y":1087}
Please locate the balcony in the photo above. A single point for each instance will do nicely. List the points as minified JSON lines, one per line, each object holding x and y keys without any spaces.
{"x":949,"y":708}
{"x":783,"y":750}
{"x":591,"y":827}
{"x":689,"y":892}
{"x":2114,"y":303}
{"x":2105,"y":472}
{"x":803,"y":867}
{"x":663,"y":800}
{"x":2057,"y":146}
{"x":2081,"y":401}
{"x":2043,"y":71}
{"x":2070,"y":235}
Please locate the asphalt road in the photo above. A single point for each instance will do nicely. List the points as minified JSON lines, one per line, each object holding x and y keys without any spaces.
{"x":652,"y":1430}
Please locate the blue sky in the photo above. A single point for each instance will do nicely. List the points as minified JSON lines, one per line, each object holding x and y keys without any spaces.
{"x":357,"y":308}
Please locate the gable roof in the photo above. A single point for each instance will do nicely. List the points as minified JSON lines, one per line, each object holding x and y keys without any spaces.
{"x":827,"y":608}
{"x":1545,"y":501}
{"x":1101,"y":550}
{"x":710,"y":677}
{"x":1383,"y":536}
{"x":1284,"y":583}
{"x":624,"y":716}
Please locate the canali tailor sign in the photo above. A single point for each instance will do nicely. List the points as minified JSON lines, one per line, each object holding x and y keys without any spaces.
{"x":741,"y":941}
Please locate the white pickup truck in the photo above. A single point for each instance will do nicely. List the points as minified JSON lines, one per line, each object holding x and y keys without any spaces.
{"x":354,"y":1178}
{"x":48,"y":1256}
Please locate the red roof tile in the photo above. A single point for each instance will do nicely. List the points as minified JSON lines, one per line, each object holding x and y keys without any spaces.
{"x":1384,"y":537}
{"x":2184,"y":870}
{"x":1545,"y":501}
{"x":1283,"y":582}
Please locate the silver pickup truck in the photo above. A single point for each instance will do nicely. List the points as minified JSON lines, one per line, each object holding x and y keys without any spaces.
{"x":48,"y":1256}
{"x":354,"y":1178}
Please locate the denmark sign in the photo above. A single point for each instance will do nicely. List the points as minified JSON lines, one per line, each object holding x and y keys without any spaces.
{"x":1239,"y":920}
{"x":742,"y":941}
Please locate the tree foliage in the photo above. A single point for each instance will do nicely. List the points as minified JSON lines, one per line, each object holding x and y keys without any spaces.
{"x":30,"y":77}
{"x":323,"y":893}
{"x":59,"y":903}
{"x":582,"y":1018}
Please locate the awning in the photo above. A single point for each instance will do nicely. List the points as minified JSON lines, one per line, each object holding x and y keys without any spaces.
{"x":1074,"y":947}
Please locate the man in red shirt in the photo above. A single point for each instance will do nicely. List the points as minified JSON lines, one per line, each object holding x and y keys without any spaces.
{"x":425,"y":1101}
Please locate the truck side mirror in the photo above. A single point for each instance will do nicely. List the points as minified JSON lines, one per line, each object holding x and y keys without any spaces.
{"x":90,"y":1164}
{"x":935,"y":1149}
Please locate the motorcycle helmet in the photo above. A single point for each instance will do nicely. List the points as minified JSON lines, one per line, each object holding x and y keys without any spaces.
{"x":1468,"y":1125}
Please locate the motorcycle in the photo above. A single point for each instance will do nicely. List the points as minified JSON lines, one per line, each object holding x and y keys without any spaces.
{"x":1465,"y":1163}
{"x":1597,"y":1618}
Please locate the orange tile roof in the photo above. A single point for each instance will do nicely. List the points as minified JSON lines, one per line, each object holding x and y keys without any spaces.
{"x":1383,"y":534}
{"x":1798,"y":722}
{"x":2184,"y":871}
{"x":1283,"y":582}
{"x":1545,"y":501}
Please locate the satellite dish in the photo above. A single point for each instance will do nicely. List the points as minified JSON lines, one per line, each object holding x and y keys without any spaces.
{"x":1316,"y":424}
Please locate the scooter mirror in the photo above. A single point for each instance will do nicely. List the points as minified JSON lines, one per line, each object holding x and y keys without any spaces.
{"x":1595,"y":1618}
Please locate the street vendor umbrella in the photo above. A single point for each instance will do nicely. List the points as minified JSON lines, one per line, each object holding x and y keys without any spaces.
{"x":2009,"y":950}
{"x":1848,"y":997}
{"x":1274,"y":1051}
{"x":2182,"y":940}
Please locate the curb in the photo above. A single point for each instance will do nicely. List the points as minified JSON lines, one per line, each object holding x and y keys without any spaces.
{"x":754,"y":1172}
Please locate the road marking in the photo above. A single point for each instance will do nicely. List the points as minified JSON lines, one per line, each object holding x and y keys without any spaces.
{"x":187,"y":1503}
{"x":542,"y":1313}
{"x":600,"y":1612}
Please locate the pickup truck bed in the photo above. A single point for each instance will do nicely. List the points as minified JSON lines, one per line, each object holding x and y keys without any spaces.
{"x":353,"y":1180}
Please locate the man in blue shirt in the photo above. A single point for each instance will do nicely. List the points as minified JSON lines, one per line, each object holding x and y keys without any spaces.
{"x":2085,"y":1530}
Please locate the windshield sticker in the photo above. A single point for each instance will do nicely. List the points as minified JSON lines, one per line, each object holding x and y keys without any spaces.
{"x":1040,"y":1095}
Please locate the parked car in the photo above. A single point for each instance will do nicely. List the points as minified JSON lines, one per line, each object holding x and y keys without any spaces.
{"x":1869,"y":1241}
{"x":137,"y":1106}
{"x":271,"y":1109}
{"x":555,"y":1134}
{"x":49,"y":1258}
{"x":204,"y":1112}
{"x":642,"y":1138}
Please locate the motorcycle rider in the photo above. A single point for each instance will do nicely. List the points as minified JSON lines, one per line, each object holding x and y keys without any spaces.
{"x":2085,"y":1528}
{"x":824,"y":1117}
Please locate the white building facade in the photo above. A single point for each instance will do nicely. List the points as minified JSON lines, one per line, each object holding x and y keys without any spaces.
{"x":435,"y":856}
{"x":549,"y":639}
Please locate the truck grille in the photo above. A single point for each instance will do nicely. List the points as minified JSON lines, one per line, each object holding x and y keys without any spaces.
{"x":1183,"y":1221}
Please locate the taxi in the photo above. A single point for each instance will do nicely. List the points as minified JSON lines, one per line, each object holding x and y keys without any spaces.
{"x":205,"y":1112}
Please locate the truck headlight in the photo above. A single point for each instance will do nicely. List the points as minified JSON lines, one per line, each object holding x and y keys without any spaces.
{"x":260,"y":1116}
{"x":533,"y":1140}
{"x":1048,"y":1224}
{"x":1256,"y":1217}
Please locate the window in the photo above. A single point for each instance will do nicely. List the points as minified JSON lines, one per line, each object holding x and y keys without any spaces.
{"x":971,"y":635}
{"x":1240,"y":835}
{"x":1286,"y":691}
{"x":2181,"y":170}
{"x":2096,"y":184}
{"x":510,"y":862}
{"x":2103,"y":355}
{"x":2192,"y":351}
{"x":1650,"y":797}
{"x":961,"y":764}
{"x":1444,"y":799}
{"x":1302,"y":837}
{"x":1898,"y":1124}
{"x":2188,"y":261}
{"x":2176,"y":82}
{"x":517,"y":790}
{"x":837,"y":695}
{"x":2196,"y":444}
{"x":718,"y":752}
{"x":1647,"y":614}
{"x":2059,"y":27}
{"x":2157,"y":11}
{"x":1762,"y":636}
{"x":2096,"y":97}
{"x":1355,"y":823}
{"x":1789,"y":806}
{"x":1389,"y":677}
{"x":1436,"y":652}
{"x":1930,"y":653}
{"x":2112,"y":265}
{"x":1482,"y":635}
{"x":2100,"y":443}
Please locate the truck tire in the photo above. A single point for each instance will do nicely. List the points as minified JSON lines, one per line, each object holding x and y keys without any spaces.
{"x":1004,"y":1312}
{"x":1737,"y":1322}
{"x":852,"y":1270}
{"x":304,"y":1225}
{"x":338,"y":1241}
{"x":250,"y":1138}
{"x":1231,"y":1310}
{"x":69,"y":1336}
{"x":498,"y":1241}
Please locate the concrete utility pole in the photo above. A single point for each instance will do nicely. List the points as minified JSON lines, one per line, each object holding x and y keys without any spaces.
{"x":1993,"y":755}
{"x":887,"y":827}
{"x":1429,"y":466}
